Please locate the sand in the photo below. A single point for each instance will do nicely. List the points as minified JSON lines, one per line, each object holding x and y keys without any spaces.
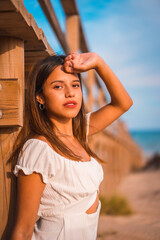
{"x":142,"y":189}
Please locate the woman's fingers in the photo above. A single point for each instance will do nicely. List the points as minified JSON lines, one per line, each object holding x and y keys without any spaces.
{"x":68,"y":66}
{"x":76,"y":63}
{"x":70,"y":56}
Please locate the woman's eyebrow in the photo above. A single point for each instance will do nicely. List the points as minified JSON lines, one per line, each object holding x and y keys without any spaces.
{"x":61,"y":81}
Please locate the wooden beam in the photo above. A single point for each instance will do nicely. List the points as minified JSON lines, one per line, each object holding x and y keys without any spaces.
{"x":70,"y":8}
{"x":83,"y":44}
{"x":51,"y":16}
{"x":72,"y":32}
{"x":17,"y":22}
{"x":26,"y":27}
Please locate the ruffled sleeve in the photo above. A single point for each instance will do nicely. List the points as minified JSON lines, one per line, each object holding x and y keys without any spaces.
{"x":36,"y":158}
{"x":87,"y":123}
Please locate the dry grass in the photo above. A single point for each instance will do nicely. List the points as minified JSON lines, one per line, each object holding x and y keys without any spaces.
{"x":115,"y":205}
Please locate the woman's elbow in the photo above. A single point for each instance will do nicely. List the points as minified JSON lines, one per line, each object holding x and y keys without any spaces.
{"x":131,"y":103}
{"x":128,"y":105}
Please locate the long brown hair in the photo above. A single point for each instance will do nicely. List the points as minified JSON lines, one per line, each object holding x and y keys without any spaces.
{"x":37,"y":123}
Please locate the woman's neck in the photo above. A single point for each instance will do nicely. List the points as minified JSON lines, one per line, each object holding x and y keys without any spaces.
{"x":63,"y":127}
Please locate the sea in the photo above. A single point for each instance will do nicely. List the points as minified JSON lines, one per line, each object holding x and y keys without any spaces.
{"x":148,"y":140}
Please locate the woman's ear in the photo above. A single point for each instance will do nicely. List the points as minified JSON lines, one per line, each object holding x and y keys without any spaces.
{"x":40,"y":98}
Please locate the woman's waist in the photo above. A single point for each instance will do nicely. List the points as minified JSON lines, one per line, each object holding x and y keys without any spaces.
{"x":75,"y":207}
{"x":67,"y":226}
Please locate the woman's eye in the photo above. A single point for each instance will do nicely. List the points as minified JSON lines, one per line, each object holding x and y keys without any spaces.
{"x":57,"y":87}
{"x":76,"y":85}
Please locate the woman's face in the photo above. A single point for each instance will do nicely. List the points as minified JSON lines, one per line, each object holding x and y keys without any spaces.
{"x":62,"y":94}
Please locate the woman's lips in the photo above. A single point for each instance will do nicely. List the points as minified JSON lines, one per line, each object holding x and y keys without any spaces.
{"x":70,"y":104}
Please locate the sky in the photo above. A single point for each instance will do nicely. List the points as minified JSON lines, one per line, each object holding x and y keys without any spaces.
{"x":126,"y":34}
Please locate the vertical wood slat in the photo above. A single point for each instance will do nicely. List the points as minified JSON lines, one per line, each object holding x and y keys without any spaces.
{"x":11,"y":67}
{"x":90,"y":84}
{"x":73,"y":32}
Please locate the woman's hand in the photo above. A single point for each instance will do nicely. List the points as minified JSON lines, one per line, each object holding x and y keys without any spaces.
{"x":76,"y":63}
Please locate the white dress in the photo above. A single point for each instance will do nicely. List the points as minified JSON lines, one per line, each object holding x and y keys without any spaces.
{"x":71,"y":188}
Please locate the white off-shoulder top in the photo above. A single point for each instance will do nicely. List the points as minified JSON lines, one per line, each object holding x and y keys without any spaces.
{"x":71,"y":188}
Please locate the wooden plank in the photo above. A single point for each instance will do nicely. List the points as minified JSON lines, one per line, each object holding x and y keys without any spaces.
{"x":70,"y":7}
{"x":26,"y":27}
{"x":100,"y":99}
{"x":3,"y":194}
{"x":31,"y":57}
{"x":72,"y":32}
{"x":6,"y":6}
{"x":51,"y":16}
{"x":7,"y":186}
{"x":83,"y":46}
{"x":9,"y":20}
{"x":12,"y":84}
{"x":12,"y":88}
{"x":10,"y":117}
{"x":9,"y":94}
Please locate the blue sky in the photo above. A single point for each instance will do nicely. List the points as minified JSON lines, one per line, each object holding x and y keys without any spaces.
{"x":126,"y":34}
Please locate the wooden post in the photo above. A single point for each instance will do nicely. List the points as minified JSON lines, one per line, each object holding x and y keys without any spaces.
{"x":100,"y":99}
{"x":90,"y":83}
{"x":12,"y":78}
{"x":73,"y":32}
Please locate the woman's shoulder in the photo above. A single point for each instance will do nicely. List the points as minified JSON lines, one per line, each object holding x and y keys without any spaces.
{"x":36,"y":145}
{"x":36,"y":157}
{"x":39,"y":145}
{"x":42,"y":139}
{"x":37,"y":140}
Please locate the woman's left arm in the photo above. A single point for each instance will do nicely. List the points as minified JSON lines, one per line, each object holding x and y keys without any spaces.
{"x":120,"y":99}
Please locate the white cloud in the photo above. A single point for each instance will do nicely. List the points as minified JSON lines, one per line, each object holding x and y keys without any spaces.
{"x":136,"y":76}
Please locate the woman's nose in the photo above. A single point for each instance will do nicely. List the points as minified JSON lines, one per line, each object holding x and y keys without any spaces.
{"x":69,"y":92}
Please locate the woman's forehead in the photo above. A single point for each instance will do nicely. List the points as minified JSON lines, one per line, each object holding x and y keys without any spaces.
{"x":59,"y":74}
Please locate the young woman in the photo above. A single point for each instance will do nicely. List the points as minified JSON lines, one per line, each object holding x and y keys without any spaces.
{"x":58,"y":174}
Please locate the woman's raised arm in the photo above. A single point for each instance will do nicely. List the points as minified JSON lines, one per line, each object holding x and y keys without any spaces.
{"x":120,"y":99}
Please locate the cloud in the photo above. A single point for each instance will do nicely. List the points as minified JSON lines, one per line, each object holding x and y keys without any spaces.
{"x":136,"y":76}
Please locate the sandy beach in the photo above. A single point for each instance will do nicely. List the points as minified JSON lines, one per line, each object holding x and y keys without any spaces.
{"x":142,"y":189}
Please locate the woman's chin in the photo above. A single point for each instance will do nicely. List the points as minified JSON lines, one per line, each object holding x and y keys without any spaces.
{"x":64,"y":115}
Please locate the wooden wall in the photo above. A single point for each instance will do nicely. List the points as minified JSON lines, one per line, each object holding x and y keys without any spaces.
{"x":11,"y":106}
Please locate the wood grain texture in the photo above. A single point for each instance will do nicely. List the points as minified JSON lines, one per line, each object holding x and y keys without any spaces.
{"x":73,"y":32}
{"x":52,"y":19}
{"x":11,"y":104}
{"x":17,"y":22}
{"x":12,"y":81}
{"x":70,"y":8}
